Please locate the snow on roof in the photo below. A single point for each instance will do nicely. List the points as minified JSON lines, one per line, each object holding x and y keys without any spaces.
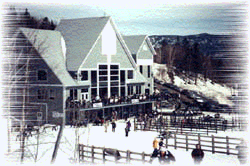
{"x":80,"y":35}
{"x":48,"y":43}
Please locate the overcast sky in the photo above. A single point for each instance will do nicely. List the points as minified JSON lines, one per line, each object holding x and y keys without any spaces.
{"x":153,"y":17}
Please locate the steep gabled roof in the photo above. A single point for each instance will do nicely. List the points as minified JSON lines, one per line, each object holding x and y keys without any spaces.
{"x":80,"y":36}
{"x":48,"y":44}
{"x":134,"y":42}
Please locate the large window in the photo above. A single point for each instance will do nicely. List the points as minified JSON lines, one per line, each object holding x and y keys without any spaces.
{"x":138,"y":89}
{"x":42,"y":75}
{"x":130,"y":74}
{"x":149,"y":72}
{"x":93,"y":78}
{"x":103,"y":75}
{"x":130,"y":90}
{"x":41,"y":94}
{"x":52,"y":94}
{"x":141,"y":69}
{"x":84,"y":75}
{"x":122,"y":77}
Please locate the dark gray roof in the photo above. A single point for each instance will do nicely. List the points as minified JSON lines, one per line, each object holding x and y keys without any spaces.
{"x":49,"y":45}
{"x":134,"y":42}
{"x":80,"y":36}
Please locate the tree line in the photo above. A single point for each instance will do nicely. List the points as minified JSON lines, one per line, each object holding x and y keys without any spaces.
{"x":184,"y":58}
{"x":23,"y":18}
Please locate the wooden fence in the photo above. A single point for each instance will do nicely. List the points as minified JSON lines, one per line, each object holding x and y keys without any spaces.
{"x":215,"y":144}
{"x":196,"y":125}
{"x":97,"y":155}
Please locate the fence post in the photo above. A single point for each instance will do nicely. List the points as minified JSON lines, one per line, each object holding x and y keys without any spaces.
{"x":103,"y":155}
{"x":213,"y":147}
{"x":116,"y":156}
{"x":82,"y":152}
{"x":199,"y":138}
{"x":135,"y":125}
{"x":167,"y":139}
{"x":227,"y":141}
{"x":175,"y":141}
{"x":128,"y":156}
{"x":143,"y":157}
{"x":186,"y":141}
{"x":79,"y":151}
{"x":92,"y":153}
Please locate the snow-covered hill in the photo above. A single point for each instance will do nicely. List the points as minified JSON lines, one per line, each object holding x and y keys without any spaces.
{"x":217,"y":92}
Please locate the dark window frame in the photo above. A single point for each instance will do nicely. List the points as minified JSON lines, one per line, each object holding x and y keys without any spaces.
{"x":141,"y":69}
{"x":149,"y":71}
{"x":84,"y":75}
{"x":130,"y":74}
{"x":44,"y":75}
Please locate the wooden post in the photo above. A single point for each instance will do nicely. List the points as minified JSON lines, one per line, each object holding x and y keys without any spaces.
{"x":128,"y":156}
{"x":134,"y":125}
{"x":213,"y":147}
{"x":116,"y":156}
{"x":143,"y":157}
{"x":186,"y":141}
{"x":92,"y":154}
{"x":82,"y":152}
{"x":175,"y":140}
{"x":167,"y":140}
{"x":199,"y":138}
{"x":103,"y":155}
{"x":79,"y":151}
{"x":227,"y":141}
{"x":59,"y":136}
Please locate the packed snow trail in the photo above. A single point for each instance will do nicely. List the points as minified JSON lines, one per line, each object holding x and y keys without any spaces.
{"x":137,"y":141}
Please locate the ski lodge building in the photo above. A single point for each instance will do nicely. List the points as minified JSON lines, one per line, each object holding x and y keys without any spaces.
{"x":81,"y":60}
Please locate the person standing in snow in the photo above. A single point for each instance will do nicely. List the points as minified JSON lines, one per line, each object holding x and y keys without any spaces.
{"x":129,"y":125}
{"x":166,"y":156}
{"x":106,"y":124}
{"x":197,"y":154}
{"x":113,"y":126}
{"x":155,"y":143}
{"x":161,"y":144}
{"x":126,"y":131}
{"x":242,"y":152}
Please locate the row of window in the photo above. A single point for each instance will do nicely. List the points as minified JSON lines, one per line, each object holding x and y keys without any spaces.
{"x":43,"y":94}
{"x":149,"y":71}
{"x":42,"y":75}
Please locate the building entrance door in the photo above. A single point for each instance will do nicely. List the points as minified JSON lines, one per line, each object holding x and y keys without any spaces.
{"x":85,"y":96}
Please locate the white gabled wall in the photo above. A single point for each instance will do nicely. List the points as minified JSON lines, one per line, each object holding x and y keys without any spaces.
{"x":108,"y":40}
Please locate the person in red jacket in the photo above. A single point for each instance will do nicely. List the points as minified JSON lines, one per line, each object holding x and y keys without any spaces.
{"x":197,"y":154}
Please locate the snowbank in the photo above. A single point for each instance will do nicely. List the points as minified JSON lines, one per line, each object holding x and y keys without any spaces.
{"x":214,"y":91}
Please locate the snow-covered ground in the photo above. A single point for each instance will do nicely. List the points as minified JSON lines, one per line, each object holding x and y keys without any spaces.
{"x":137,"y":141}
{"x":214,"y":91}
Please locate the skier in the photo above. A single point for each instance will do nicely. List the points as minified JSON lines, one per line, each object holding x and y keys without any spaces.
{"x":113,"y":126}
{"x":126,"y":131}
{"x":129,"y":125}
{"x":242,"y":152}
{"x":166,"y":156}
{"x":197,"y":154}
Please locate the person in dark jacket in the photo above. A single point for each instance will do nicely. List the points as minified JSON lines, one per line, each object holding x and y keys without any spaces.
{"x":126,"y":131}
{"x":242,"y":152}
{"x":129,"y":125}
{"x":166,"y":156}
{"x":113,"y":126}
{"x":197,"y":154}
